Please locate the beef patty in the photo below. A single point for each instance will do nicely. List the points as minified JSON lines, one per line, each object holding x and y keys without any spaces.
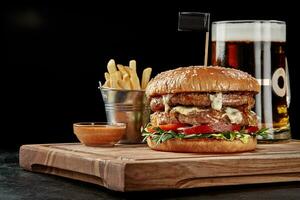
{"x":206,"y":116}
{"x":234,"y":99}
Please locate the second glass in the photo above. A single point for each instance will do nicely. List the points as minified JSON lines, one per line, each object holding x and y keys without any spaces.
{"x":258,"y":47}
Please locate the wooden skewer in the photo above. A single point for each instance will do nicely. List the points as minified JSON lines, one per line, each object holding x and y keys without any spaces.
{"x":206,"y":48}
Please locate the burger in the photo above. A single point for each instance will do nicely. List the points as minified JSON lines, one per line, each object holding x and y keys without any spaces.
{"x":202,"y":109}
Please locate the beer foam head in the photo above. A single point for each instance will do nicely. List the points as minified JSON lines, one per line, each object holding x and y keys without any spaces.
{"x":247,"y":30}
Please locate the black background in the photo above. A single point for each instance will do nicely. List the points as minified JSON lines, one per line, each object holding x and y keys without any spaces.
{"x":55,"y":53}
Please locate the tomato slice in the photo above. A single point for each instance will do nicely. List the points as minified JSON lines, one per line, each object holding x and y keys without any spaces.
{"x":252,"y":129}
{"x":171,"y":127}
{"x":150,"y":130}
{"x":211,"y":128}
{"x":235,"y":127}
{"x":201,"y":129}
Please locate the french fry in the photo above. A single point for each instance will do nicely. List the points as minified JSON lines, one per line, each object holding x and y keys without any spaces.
{"x":123,"y":70}
{"x":111,"y":66}
{"x":132,"y":64}
{"x":107,"y":80}
{"x":107,"y":76}
{"x":114,"y":78}
{"x":146,"y":77}
{"x":126,"y":82}
{"x":119,"y":83}
{"x":106,"y":84}
{"x":127,"y":69}
{"x":135,"y":82}
{"x":125,"y":77}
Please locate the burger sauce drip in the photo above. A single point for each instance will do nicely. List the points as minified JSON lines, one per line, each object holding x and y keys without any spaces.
{"x":166,"y":99}
{"x":216,"y":101}
{"x":234,"y":115}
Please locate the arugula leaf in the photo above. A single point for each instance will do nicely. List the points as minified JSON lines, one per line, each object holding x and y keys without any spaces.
{"x":166,"y":137}
{"x":263,"y":133}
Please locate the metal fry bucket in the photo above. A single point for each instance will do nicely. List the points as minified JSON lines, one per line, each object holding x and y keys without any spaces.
{"x":127,"y":106}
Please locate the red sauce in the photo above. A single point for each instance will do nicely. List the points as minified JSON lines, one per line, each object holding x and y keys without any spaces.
{"x":97,"y":135}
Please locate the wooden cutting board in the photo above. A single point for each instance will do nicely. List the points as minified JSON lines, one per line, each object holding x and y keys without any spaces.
{"x":136,"y":167}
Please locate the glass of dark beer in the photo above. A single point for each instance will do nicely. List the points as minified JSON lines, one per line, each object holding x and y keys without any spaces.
{"x":258,"y":47}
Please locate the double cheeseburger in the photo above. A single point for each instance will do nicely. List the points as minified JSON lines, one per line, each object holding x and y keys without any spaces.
{"x":202,"y":109}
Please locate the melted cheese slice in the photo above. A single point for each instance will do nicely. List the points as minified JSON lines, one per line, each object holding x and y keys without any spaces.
{"x":234,"y":115}
{"x":186,"y":110}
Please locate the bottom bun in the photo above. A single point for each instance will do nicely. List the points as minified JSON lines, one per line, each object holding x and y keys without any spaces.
{"x":203,"y":145}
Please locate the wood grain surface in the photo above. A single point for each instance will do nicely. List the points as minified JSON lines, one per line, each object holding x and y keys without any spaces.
{"x":136,"y":167}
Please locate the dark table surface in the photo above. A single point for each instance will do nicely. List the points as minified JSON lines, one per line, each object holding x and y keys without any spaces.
{"x":15,"y":183}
